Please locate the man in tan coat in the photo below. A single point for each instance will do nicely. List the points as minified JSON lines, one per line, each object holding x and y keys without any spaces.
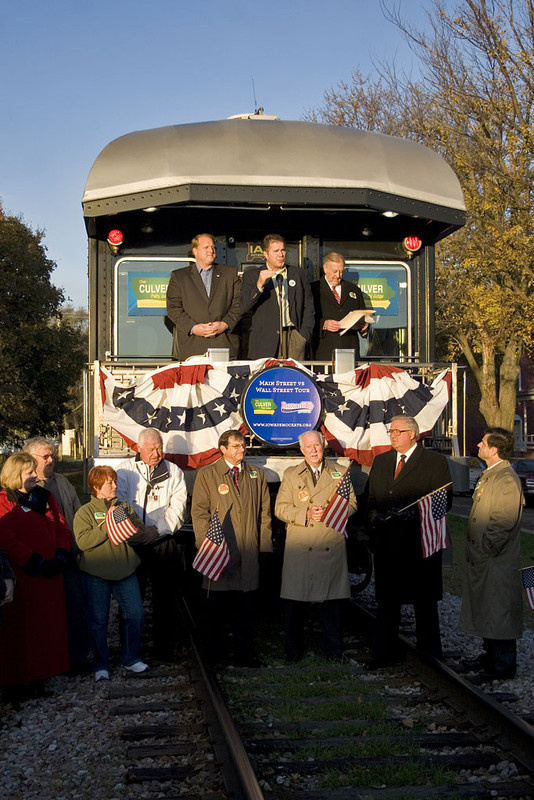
{"x":240,"y":495}
{"x":492,"y":596}
{"x":315,"y":558}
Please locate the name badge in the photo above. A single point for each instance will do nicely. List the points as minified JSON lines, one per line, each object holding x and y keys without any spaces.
{"x":223,"y":488}
{"x":292,"y":282}
{"x":353,"y":295}
{"x":303,"y":496}
{"x":25,"y":509}
{"x":336,"y":474}
{"x":253,"y":473}
{"x":100,"y":515}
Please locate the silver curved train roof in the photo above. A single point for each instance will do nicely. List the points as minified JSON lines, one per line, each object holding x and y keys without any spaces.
{"x":149,"y":167}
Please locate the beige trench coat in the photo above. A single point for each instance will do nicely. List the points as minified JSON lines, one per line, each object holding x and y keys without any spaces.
{"x":315,"y":557}
{"x":492,"y":596}
{"x":245,"y":517}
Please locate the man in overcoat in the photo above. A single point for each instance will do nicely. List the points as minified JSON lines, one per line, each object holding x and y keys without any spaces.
{"x":240,"y":495}
{"x":399,"y":477}
{"x":261,"y":292}
{"x":203,"y":303}
{"x":315,"y":557}
{"x":334,"y":298}
{"x":492,"y":595}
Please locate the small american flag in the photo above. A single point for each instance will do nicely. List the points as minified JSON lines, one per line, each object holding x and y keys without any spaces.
{"x":527,"y":576}
{"x":432,"y":512}
{"x":119,"y":526}
{"x":213,"y":554}
{"x":336,"y":514}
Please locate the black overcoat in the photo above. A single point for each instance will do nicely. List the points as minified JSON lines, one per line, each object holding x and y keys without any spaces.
{"x":264,"y":331}
{"x":401,"y":572}
{"x":327,"y":307}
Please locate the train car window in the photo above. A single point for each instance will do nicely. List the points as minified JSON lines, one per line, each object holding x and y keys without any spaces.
{"x":386,"y":288}
{"x":140,"y":305}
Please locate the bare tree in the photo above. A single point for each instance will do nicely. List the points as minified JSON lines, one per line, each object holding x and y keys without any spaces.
{"x":473,"y":103}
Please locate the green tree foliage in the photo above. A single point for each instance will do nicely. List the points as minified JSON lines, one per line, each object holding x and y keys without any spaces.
{"x":473,"y":102}
{"x":41,"y":356}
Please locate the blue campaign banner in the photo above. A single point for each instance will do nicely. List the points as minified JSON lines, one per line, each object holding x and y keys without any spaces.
{"x":280,"y":403}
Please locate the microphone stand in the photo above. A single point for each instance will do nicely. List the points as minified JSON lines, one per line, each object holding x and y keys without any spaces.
{"x":282,"y":350}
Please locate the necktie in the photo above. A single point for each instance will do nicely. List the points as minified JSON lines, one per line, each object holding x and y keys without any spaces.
{"x":235,"y":476}
{"x":335,"y":290}
{"x":400,"y":465}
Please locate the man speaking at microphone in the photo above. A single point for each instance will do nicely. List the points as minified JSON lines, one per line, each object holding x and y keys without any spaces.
{"x":281,"y":302}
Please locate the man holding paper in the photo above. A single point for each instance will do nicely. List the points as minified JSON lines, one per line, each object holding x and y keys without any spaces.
{"x":399,"y":479}
{"x":334,"y":298}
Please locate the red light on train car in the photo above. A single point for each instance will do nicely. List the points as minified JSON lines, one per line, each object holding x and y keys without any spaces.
{"x":412,"y":243}
{"x":116,"y":237}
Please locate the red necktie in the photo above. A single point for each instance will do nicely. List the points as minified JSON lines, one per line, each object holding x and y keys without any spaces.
{"x":400,"y":465}
{"x":235,"y":476}
{"x":335,"y":290}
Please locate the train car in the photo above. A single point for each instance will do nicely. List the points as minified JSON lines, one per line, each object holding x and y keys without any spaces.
{"x":381,"y":201}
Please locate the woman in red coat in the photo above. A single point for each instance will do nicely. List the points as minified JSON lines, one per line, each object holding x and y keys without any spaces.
{"x":36,"y":540}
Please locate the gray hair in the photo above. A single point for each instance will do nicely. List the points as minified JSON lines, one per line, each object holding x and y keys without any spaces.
{"x":31,"y":445}
{"x":319,"y":434}
{"x":411,"y":424}
{"x":149,"y":433}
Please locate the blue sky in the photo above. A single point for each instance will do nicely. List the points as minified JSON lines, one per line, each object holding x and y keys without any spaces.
{"x":77,"y":75}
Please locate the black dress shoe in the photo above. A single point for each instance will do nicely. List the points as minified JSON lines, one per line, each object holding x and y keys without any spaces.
{"x":376,"y":663}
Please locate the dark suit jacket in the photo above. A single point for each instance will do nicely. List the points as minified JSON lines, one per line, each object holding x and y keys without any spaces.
{"x":264,"y":332}
{"x":327,"y":307}
{"x":400,"y":569}
{"x":188,"y":303}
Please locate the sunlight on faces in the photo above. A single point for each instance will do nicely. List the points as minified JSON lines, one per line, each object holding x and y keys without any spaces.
{"x":28,"y":478}
{"x":108,"y":490}
{"x":312,"y":449}
{"x":205,"y":253}
{"x":45,"y":461}
{"x":275,"y":256}
{"x":151,"y":450}
{"x":235,"y":452}
{"x":333,"y":271}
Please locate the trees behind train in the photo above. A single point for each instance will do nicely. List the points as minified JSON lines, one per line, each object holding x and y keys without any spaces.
{"x":474,"y":103}
{"x":40,"y":355}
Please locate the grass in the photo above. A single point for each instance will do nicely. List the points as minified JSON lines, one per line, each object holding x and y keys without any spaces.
{"x":452,"y":578}
{"x":409,"y":774}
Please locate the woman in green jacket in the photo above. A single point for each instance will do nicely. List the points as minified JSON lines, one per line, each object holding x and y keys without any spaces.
{"x":106,"y":530}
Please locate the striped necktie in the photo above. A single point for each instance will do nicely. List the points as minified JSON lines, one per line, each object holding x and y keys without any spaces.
{"x":400,"y":465}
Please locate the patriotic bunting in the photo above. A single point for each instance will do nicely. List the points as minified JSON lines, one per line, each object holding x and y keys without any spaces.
{"x":192,"y":403}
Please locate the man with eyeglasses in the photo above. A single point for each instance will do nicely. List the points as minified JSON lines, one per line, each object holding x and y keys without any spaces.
{"x":334,"y":297}
{"x":399,"y":478}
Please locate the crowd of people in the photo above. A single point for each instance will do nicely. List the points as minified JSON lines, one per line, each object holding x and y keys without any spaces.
{"x":62,"y":562}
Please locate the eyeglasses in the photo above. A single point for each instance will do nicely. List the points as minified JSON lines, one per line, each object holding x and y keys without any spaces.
{"x":397,"y":432}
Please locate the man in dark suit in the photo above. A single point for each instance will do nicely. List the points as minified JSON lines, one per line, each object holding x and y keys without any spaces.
{"x":261,"y":293}
{"x":398,"y":478}
{"x":334,"y":298}
{"x":203,"y":303}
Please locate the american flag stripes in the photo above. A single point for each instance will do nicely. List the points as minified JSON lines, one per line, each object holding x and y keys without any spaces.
{"x":336,"y":514}
{"x":119,"y":526}
{"x":527,"y":577}
{"x":213,"y":554}
{"x":432,"y":512}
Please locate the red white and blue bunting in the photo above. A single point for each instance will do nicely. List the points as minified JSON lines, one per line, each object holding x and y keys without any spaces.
{"x":192,"y":403}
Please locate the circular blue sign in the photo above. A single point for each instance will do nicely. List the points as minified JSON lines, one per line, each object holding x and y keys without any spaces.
{"x":280,"y":403}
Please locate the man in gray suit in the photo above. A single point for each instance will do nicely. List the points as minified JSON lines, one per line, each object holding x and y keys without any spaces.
{"x":203,"y":303}
{"x":492,"y":597}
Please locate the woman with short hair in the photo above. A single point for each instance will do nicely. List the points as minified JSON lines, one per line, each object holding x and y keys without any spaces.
{"x":36,"y":540}
{"x":106,"y":530}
